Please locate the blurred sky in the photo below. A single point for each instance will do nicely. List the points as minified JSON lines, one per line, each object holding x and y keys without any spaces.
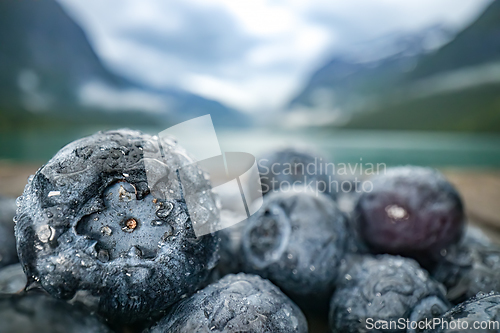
{"x":253,"y":55}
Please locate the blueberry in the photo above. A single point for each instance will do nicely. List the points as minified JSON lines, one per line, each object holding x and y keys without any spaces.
{"x":30,"y":313}
{"x":237,"y":303}
{"x":469,"y":267}
{"x":411,"y":211}
{"x":107,"y":217}
{"x":230,"y":250}
{"x":296,"y":240}
{"x":385,"y":288}
{"x":482,"y":311}
{"x":8,"y":253}
{"x":281,"y":169}
{"x":12,"y":279}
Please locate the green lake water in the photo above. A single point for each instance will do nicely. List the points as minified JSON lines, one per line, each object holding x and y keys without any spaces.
{"x":347,"y":146}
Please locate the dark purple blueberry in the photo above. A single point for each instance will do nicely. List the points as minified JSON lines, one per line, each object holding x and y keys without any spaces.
{"x":37,"y":313}
{"x":283,"y":169}
{"x":479,"y":314}
{"x":8,"y":253}
{"x":106,"y":217}
{"x":411,"y":211}
{"x":469,"y":267}
{"x":237,"y":303}
{"x":384,"y":288}
{"x":296,"y":240}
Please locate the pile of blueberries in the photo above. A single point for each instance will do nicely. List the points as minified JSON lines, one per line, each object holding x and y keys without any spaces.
{"x":104,"y":246}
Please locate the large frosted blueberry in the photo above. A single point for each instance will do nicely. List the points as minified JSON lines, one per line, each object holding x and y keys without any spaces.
{"x":237,"y":303}
{"x":283,"y":169}
{"x":478,"y":314}
{"x":8,"y":253}
{"x":384,"y":289}
{"x":469,"y":267}
{"x":38,"y":313}
{"x":296,"y":240}
{"x":106,"y":219}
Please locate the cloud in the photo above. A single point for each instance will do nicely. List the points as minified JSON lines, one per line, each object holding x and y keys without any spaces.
{"x":199,"y":35}
{"x":98,"y":94}
{"x":361,"y":20}
{"x":250,"y":54}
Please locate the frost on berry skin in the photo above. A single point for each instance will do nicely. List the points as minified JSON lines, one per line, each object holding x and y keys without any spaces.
{"x":237,"y":303}
{"x":469,"y":267}
{"x":296,"y":240}
{"x":8,"y":253}
{"x":279,"y":170}
{"x":411,"y":211}
{"x":90,"y":222}
{"x":483,"y":309}
{"x":384,"y":288}
{"x":37,"y":313}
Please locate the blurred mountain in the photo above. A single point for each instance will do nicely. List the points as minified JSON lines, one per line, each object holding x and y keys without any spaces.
{"x":362,"y":69}
{"x":477,"y":44}
{"x":455,"y":86}
{"x":51,"y":77}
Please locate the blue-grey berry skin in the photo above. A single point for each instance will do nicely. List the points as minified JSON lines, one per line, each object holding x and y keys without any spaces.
{"x":281,"y":169}
{"x":296,"y":240}
{"x":236,"y":303}
{"x":8,"y":253}
{"x":384,"y":288}
{"x":483,"y":309}
{"x":411,"y":211}
{"x":106,"y":217}
{"x":346,"y":203}
{"x":230,"y":250}
{"x":38,"y":313}
{"x":469,"y":267}
{"x":12,"y":279}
